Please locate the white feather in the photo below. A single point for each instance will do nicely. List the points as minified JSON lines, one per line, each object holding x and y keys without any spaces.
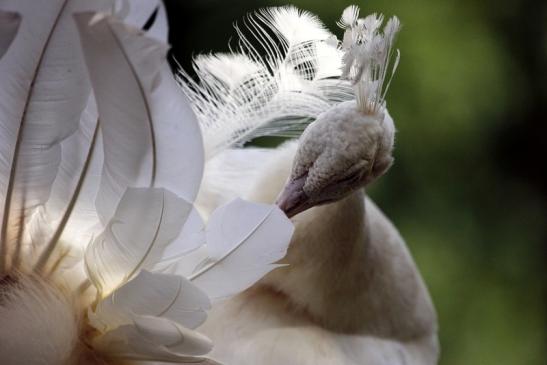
{"x":110,"y":44}
{"x":191,"y":237}
{"x":141,"y":109}
{"x":69,"y":213}
{"x":145,"y":222}
{"x":43,"y":93}
{"x":367,"y":57}
{"x":141,"y":142}
{"x":349,"y":17}
{"x":152,"y":294}
{"x":243,"y":95}
{"x":59,"y":155}
{"x":146,"y":310}
{"x":154,"y":339}
{"x":244,"y":242}
{"x":177,"y":339}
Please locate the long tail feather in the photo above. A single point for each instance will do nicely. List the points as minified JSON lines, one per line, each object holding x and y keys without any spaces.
{"x":40,"y":105}
{"x":50,"y":149}
{"x":58,"y":232}
{"x":137,"y":134}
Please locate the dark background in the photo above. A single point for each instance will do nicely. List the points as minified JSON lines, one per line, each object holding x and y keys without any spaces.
{"x":468,"y":187}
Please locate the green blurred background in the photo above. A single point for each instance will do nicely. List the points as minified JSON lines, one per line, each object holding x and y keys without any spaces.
{"x":468,"y":187}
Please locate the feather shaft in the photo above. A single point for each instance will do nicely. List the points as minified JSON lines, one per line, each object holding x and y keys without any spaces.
{"x":146,"y":105}
{"x":16,"y":260}
{"x":141,"y":109}
{"x":212,"y":264}
{"x":51,"y":245}
{"x":18,"y":141}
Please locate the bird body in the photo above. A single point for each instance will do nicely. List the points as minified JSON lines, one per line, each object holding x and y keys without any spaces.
{"x":346,"y":291}
{"x":350,"y":293}
{"x":268,"y":331}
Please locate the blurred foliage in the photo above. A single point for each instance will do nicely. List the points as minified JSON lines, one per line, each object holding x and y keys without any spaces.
{"x":467,"y":190}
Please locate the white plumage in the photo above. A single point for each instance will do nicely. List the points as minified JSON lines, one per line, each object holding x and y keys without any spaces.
{"x":243,"y":95}
{"x":100,"y":162}
{"x":97,"y":189}
{"x":351,"y":293}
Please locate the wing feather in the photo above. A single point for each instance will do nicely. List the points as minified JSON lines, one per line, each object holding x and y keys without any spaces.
{"x":244,"y":242}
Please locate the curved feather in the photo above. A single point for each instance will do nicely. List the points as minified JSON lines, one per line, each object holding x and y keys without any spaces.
{"x":243,"y":95}
{"x":152,"y":294}
{"x":154,"y":339}
{"x":177,"y":339}
{"x":73,"y":207}
{"x":191,"y":237}
{"x":244,"y":242}
{"x":43,"y":93}
{"x":50,"y":148}
{"x":145,"y":222}
{"x":69,"y":212}
{"x":141,"y":109}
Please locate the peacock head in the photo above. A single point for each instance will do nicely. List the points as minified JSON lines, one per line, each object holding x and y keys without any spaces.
{"x":349,"y":145}
{"x":343,"y":150}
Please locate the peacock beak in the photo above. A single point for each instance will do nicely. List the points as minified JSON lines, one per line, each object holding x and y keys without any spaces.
{"x":293,"y":199}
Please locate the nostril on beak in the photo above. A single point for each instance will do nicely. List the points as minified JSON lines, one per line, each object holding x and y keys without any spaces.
{"x":293,"y":199}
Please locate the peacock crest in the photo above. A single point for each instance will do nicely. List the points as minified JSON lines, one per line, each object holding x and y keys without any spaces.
{"x":368,"y":54}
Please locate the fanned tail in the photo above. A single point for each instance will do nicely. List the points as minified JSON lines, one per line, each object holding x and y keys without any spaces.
{"x":51,"y":153}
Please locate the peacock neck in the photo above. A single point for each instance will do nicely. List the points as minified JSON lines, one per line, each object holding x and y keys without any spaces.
{"x":335,"y":236}
{"x":348,"y":268}
{"x":327,"y":257}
